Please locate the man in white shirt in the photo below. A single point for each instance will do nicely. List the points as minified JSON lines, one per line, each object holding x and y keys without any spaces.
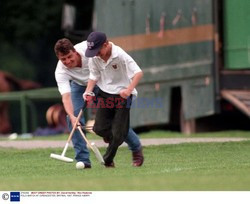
{"x":117,"y":75}
{"x":72,"y":75}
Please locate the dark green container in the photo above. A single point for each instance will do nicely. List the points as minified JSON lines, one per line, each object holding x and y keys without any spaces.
{"x":172,"y":50}
{"x":237,"y":34}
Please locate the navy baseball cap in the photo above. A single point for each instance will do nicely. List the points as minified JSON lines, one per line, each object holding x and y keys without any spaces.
{"x":95,"y":41}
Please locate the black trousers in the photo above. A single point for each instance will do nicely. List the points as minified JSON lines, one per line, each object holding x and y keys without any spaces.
{"x":112,"y":122}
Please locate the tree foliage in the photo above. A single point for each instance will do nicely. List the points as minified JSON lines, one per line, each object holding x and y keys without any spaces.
{"x":28,"y":32}
{"x":29,"y":20}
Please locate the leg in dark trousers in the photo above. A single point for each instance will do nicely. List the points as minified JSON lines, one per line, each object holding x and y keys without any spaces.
{"x":114,"y":124}
{"x":120,"y":126}
{"x":103,"y":122}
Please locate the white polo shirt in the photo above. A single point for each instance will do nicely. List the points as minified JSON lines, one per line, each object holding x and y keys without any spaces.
{"x":79,"y":75}
{"x":115,"y":74}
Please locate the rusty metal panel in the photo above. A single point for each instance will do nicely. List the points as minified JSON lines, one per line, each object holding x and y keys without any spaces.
{"x":173,"y":42}
{"x":196,"y":100}
{"x":152,"y":105}
{"x":129,"y":17}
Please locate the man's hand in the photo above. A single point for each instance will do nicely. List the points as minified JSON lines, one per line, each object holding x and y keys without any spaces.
{"x":125,"y":93}
{"x":73,"y":120}
{"x":88,"y":96}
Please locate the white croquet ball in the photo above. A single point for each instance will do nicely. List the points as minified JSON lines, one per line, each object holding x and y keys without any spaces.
{"x":13,"y":136}
{"x":80,"y":165}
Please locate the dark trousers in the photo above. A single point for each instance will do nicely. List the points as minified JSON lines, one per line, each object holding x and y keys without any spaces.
{"x":112,"y":122}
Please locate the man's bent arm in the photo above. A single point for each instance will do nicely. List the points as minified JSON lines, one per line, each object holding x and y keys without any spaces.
{"x":127,"y":92}
{"x":135,"y":80}
{"x":89,"y":89}
{"x":68,"y":106}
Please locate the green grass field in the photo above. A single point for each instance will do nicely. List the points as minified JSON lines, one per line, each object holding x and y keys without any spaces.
{"x":152,"y":134}
{"x":202,"y":166}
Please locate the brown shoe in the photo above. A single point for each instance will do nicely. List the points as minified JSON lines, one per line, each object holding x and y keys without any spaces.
{"x":110,"y":165}
{"x":138,"y":158}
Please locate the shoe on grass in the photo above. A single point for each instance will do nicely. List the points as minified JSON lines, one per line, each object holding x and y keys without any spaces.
{"x":138,"y":158}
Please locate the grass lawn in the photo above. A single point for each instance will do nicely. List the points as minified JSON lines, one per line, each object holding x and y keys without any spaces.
{"x":151,"y":134}
{"x":169,"y":134}
{"x":202,"y":166}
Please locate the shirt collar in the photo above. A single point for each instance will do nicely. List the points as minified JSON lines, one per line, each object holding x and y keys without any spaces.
{"x":114,"y":53}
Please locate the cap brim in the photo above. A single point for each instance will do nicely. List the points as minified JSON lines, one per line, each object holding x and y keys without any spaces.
{"x":92,"y":53}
